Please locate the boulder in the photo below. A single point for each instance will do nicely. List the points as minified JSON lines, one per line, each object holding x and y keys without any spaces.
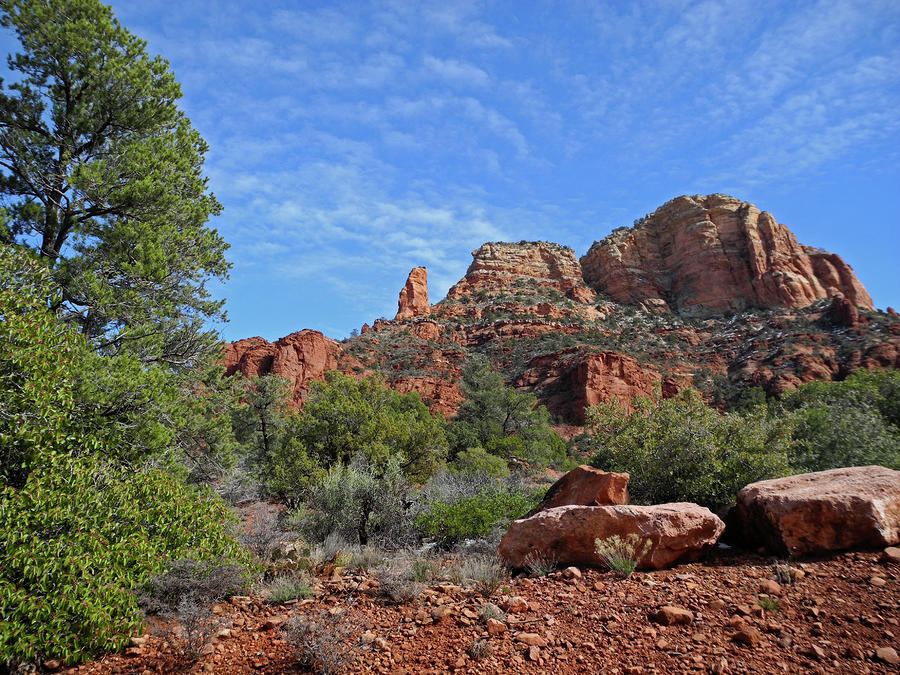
{"x":676,"y":532}
{"x":812,"y":513}
{"x":585,"y":486}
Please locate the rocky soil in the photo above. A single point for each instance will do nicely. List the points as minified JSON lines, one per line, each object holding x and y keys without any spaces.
{"x":725,"y":614}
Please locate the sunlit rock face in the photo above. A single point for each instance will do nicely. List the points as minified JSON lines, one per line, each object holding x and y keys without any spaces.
{"x":701,"y":256}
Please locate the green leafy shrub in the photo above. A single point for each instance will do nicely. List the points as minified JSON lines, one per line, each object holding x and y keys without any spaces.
{"x":679,"y":449}
{"x":284,"y":589}
{"x":505,"y":423}
{"x":475,"y":516}
{"x":360,"y":505}
{"x":79,"y":537}
{"x":851,"y":423}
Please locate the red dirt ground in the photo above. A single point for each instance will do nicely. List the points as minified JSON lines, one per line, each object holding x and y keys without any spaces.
{"x":833,"y":620}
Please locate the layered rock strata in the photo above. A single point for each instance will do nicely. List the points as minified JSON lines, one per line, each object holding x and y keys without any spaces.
{"x":700,"y":256}
{"x":501,"y":265}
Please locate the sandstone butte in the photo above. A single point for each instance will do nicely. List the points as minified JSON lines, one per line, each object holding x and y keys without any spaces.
{"x":707,"y":291}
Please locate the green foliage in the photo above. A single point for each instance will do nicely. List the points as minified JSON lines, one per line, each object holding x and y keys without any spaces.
{"x":102,"y":177}
{"x":266,"y":425}
{"x":476,"y":516}
{"x":679,"y":449}
{"x":345,"y":417}
{"x":478,"y":460}
{"x":767,"y":603}
{"x":38,"y":369}
{"x":360,"y":504}
{"x":79,"y":537}
{"x":501,"y":421}
{"x":851,"y":423}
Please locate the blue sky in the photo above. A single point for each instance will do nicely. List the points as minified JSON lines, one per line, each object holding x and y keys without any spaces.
{"x":353,"y":141}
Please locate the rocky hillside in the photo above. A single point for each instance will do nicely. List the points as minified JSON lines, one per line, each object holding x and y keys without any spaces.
{"x":708,"y":292}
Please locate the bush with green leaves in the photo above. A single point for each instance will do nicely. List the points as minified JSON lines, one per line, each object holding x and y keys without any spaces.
{"x":496,"y":506}
{"x":855,"y":422}
{"x":501,"y":421}
{"x":79,"y":537}
{"x":360,"y":504}
{"x":680,"y":449}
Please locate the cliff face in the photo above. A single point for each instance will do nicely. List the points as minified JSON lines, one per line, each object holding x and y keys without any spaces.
{"x":659,"y":323}
{"x":700,"y":256}
{"x":300,"y":358}
{"x":523,"y":266}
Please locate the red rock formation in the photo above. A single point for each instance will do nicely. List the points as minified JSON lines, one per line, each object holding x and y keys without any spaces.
{"x":676,"y":532}
{"x":813,"y":513}
{"x":299,"y":358}
{"x":585,"y":486}
{"x":523,"y":266}
{"x":700,"y":256}
{"x":576,"y":378}
{"x":414,"y":295}
{"x":843,"y":312}
{"x":441,"y":396}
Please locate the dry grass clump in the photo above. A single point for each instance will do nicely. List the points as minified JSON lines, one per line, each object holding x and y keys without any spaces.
{"x":622,"y":553}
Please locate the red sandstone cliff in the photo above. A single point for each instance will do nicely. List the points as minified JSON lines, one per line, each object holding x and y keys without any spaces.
{"x":700,"y":256}
{"x":299,"y":357}
{"x":527,"y":305}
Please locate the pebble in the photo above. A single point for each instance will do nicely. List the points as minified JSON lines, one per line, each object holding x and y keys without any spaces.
{"x":747,"y":636}
{"x":888,"y":655}
{"x":669,"y":615}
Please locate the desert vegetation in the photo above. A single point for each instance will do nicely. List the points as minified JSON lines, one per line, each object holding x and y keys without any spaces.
{"x":141,"y":486}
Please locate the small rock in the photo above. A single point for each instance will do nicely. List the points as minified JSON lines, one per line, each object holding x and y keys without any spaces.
{"x":572,"y":573}
{"x":716,"y":605}
{"x":747,"y":636}
{"x":878,"y":582}
{"x":223,"y":634}
{"x":441,"y":613}
{"x":770,"y":587}
{"x":815,"y":652}
{"x":531,"y":639}
{"x":719,"y":666}
{"x":240,"y":600}
{"x":669,"y":615}
{"x":217,"y":609}
{"x":887,"y":655}
{"x":137,"y":641}
{"x":272,"y":623}
{"x":516,"y":605}
{"x":52,"y":664}
{"x":382,"y":644}
{"x":534,"y":653}
{"x":368,"y":637}
{"x":495,"y":627}
{"x":891,"y":555}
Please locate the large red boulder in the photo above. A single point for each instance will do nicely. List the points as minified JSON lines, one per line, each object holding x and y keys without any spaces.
{"x":586,"y":486}
{"x":676,"y":532}
{"x":811,"y":513}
